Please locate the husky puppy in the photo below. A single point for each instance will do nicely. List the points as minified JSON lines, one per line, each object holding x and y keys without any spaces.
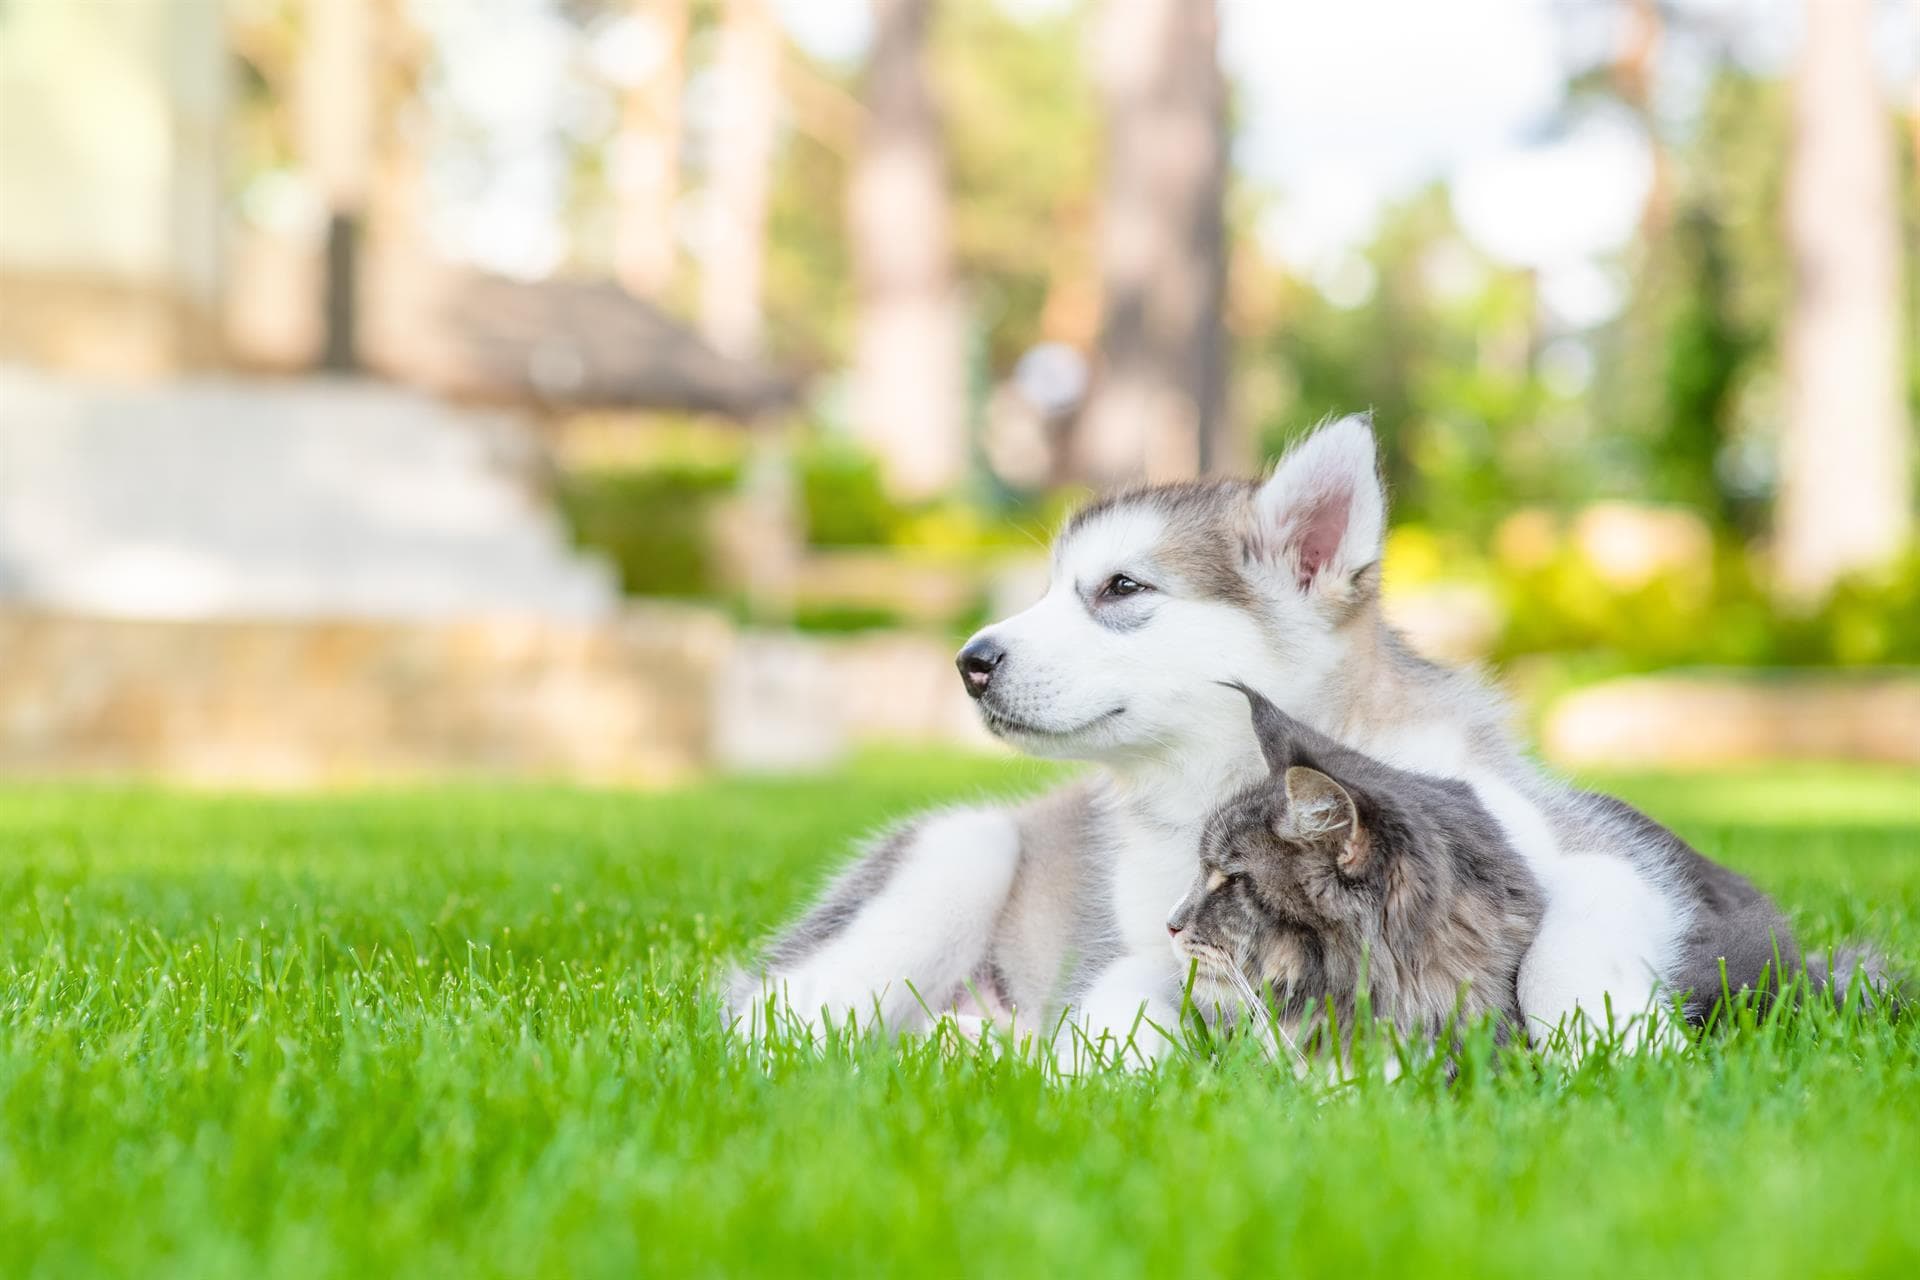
{"x":1338,"y":874}
{"x":1057,"y":907}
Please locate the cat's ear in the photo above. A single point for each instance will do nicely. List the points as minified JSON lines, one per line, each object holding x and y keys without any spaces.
{"x":1320,"y":519}
{"x":1272,"y":726}
{"x":1321,"y":810}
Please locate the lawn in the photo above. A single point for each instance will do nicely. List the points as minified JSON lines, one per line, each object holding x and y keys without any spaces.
{"x":461,"y":1032}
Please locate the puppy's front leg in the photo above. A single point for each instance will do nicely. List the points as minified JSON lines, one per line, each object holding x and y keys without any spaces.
{"x":915,"y":915}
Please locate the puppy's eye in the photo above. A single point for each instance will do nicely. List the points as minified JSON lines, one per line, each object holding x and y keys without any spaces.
{"x":1121,"y":585}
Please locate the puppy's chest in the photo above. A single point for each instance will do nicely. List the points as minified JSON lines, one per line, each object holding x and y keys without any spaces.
{"x":1153,"y":867}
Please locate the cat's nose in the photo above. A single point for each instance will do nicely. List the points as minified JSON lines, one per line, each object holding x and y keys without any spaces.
{"x":977,"y":662}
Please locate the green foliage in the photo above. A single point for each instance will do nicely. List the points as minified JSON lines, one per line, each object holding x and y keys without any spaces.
{"x":653,"y":518}
{"x":651,"y":511}
{"x":1683,"y":372}
{"x":1705,"y":352}
{"x":809,"y":282}
{"x":1724,"y":616}
{"x":466,"y":1032}
{"x":1869,"y":620}
{"x":1450,"y":349}
{"x":650,"y":522}
{"x":1446,"y":365}
{"x":836,"y":619}
{"x":1024,"y":146}
{"x":844,"y":497}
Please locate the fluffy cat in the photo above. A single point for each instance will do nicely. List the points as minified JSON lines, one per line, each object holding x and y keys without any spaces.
{"x":1338,"y":869}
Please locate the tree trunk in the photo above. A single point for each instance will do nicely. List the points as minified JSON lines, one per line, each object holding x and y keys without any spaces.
{"x":1633,"y":75}
{"x":646,"y":172}
{"x":732,"y":269}
{"x":909,"y":391}
{"x":334,"y":117}
{"x":734,"y":255}
{"x":395,"y":199}
{"x":1158,"y":405}
{"x":1845,"y":473}
{"x":397,"y":306}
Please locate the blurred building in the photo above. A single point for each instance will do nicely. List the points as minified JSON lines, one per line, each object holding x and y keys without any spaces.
{"x":111,"y":198}
{"x":209,"y":572}
{"x":136,"y":480}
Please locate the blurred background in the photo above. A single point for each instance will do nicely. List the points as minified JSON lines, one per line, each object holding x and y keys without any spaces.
{"x":618,"y":389}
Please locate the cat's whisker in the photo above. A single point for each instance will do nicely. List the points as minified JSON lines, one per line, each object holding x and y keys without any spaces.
{"x":1272,"y":1035}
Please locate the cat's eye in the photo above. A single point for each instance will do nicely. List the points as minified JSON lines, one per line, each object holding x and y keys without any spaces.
{"x":1120,"y":585}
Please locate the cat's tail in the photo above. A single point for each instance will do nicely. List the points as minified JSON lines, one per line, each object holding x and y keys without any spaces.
{"x":1858,"y":973}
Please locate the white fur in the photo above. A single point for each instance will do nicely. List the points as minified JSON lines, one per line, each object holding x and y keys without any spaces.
{"x":1595,"y":960}
{"x":924,"y":932}
{"x":1125,"y":1017}
{"x":1067,"y":675}
{"x":1440,"y":750}
{"x":1335,"y":468}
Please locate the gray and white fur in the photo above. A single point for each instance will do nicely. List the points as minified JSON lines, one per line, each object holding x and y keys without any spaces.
{"x":1739,"y":942}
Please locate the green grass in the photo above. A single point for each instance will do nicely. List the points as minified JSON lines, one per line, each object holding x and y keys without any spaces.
{"x":461,"y":1033}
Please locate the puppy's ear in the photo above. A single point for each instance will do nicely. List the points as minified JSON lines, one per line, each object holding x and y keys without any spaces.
{"x":1272,"y":726}
{"x":1321,"y":810}
{"x":1320,"y":519}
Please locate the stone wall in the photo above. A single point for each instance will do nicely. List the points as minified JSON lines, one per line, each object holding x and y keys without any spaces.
{"x":660,"y":691}
{"x":307,"y":703}
{"x":651,"y":695}
{"x":1702,"y":719}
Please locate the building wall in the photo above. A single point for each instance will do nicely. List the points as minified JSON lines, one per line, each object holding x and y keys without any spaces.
{"x":111,"y":120}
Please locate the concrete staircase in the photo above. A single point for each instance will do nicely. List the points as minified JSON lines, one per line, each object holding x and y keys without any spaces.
{"x":276,"y":499}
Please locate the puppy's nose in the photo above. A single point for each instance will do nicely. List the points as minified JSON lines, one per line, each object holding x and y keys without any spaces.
{"x":976,"y":663}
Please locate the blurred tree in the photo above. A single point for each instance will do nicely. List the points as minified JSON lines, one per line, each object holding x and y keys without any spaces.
{"x":1158,"y":403}
{"x":909,"y":363}
{"x":1705,"y":352}
{"x":1696,"y":333}
{"x":1020,"y":130}
{"x":646,"y":150}
{"x":1845,"y":471}
{"x":264,"y":36}
{"x":1023,"y":127}
{"x":1631,"y":74}
{"x":809,"y":284}
{"x":1440,"y":343}
{"x":334,"y":117}
{"x":396,"y":196}
{"x":1910,"y":206}
{"x":741,"y":159}
{"x":1363,"y":356}
{"x":1683,"y":398}
{"x":1913,"y":103}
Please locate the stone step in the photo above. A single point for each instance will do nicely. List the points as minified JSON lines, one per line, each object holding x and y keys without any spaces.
{"x":308,"y":497}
